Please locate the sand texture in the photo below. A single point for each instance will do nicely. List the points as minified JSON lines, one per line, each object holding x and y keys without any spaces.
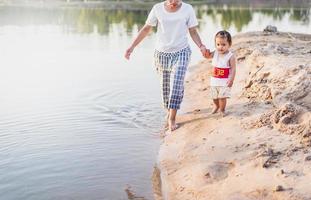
{"x":261,"y":149}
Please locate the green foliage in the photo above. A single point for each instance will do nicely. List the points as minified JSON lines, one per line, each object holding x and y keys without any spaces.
{"x":90,"y":19}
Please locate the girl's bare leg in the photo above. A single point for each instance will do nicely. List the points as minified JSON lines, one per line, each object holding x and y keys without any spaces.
{"x":222,"y":106}
{"x":216,"y":106}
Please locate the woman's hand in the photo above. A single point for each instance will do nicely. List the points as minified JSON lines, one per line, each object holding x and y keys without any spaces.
{"x":205,"y":52}
{"x":128,"y":53}
{"x":208,"y":54}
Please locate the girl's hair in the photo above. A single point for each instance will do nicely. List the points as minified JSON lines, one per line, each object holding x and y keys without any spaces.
{"x":224,"y":34}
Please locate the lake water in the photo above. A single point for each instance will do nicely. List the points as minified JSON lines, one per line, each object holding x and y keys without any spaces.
{"x":78,"y":121}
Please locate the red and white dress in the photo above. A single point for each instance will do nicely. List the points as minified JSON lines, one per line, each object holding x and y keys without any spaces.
{"x":221,"y":75}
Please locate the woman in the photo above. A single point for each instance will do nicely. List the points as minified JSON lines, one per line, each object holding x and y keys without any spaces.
{"x":173,"y":19}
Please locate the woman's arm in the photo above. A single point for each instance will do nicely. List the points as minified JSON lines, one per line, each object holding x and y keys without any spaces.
{"x":141,"y":35}
{"x":232,"y":63}
{"x":197,"y":40}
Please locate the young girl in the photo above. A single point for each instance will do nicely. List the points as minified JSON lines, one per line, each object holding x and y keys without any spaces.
{"x":224,"y":68}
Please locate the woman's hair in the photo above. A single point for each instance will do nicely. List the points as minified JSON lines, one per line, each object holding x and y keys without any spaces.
{"x":224,"y":34}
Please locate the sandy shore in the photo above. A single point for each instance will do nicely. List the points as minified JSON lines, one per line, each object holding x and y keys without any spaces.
{"x":261,"y":149}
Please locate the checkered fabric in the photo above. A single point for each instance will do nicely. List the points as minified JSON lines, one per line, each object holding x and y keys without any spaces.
{"x":172,"y":68}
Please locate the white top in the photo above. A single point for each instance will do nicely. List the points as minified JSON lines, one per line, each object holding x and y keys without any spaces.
{"x":221,"y":62}
{"x":172,"y":27}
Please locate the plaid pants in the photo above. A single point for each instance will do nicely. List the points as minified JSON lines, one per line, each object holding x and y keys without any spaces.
{"x":172,"y":69}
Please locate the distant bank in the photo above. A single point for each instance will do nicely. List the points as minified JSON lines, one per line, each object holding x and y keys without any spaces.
{"x":146,"y":4}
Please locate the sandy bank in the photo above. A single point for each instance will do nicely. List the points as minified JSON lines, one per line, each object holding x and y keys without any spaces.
{"x":261,"y":150}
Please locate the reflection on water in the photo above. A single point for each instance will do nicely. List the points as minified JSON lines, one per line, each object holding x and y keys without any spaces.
{"x":240,"y":17}
{"x":100,"y":20}
{"x":77,"y":120}
{"x":78,"y":20}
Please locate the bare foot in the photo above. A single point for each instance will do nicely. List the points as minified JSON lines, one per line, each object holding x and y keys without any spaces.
{"x":222,"y":113}
{"x":166,"y":121}
{"x":215,"y":110}
{"x":172,"y":125}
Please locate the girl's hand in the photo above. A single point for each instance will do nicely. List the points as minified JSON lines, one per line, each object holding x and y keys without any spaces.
{"x":207,"y":54}
{"x":230,"y":83}
{"x":128,"y":53}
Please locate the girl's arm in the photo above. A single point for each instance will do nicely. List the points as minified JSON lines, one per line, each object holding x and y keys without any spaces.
{"x":141,"y":35}
{"x":232,"y":63}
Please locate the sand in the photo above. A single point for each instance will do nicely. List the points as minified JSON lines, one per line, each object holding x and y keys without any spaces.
{"x":261,"y":149}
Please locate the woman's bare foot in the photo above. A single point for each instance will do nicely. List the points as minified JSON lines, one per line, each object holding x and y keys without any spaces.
{"x":222,"y":113}
{"x":172,"y":125}
{"x":166,"y":121}
{"x":215,"y":110}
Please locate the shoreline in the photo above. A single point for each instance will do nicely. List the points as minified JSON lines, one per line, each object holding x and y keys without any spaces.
{"x":261,"y":149}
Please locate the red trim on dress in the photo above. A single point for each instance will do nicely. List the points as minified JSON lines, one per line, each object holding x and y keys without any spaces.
{"x":220,"y":72}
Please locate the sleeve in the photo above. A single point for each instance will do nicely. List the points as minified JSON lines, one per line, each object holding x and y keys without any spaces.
{"x":152,"y":19}
{"x":192,"y":20}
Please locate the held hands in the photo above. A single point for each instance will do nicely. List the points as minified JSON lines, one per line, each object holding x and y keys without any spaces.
{"x":205,"y":52}
{"x":128,"y":53}
{"x":208,"y":54}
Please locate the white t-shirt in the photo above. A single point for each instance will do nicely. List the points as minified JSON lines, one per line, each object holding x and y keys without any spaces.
{"x":172,"y":27}
{"x":221,"y":62}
